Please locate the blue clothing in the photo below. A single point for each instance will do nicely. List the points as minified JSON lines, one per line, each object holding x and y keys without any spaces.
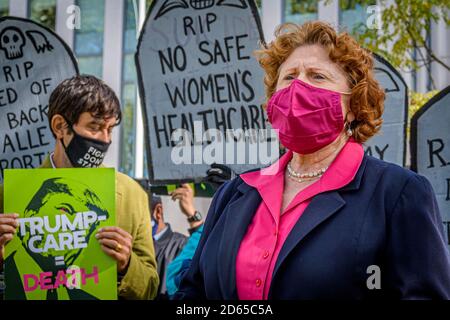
{"x":386,"y":216}
{"x":178,"y":267}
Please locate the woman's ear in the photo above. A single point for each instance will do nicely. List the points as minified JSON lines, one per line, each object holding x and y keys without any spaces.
{"x":350,"y":117}
{"x":58,"y":125}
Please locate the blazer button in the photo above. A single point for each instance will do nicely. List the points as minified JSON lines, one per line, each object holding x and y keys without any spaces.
{"x":258,"y":282}
{"x":266,"y":255}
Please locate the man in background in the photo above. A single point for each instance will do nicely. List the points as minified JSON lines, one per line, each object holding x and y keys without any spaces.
{"x":168,"y":244}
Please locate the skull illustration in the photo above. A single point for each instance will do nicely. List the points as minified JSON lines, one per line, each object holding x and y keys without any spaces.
{"x":201,"y":4}
{"x":12,"y":42}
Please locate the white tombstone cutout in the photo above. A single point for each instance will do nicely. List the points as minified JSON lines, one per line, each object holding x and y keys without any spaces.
{"x":430,"y":150}
{"x":33,"y":61}
{"x":390,"y":144}
{"x":196,"y":72}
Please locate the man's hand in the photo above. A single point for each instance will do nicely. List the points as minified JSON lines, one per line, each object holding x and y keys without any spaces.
{"x":8,"y":226}
{"x":117,"y":244}
{"x":186,"y":196}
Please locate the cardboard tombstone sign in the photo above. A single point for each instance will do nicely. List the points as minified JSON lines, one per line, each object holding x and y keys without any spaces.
{"x":33,"y":60}
{"x":390,"y":144}
{"x":430,"y":150}
{"x":202,"y":89}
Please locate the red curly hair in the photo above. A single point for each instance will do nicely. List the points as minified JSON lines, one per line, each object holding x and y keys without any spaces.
{"x":367,"y":97}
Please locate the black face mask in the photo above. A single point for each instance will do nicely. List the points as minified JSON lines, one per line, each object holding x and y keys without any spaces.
{"x":85,"y":152}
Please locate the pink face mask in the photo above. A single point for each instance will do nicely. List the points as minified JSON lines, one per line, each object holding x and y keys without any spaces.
{"x":307,"y":118}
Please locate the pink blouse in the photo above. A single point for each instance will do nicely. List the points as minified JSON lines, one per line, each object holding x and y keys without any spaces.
{"x":269,"y":228}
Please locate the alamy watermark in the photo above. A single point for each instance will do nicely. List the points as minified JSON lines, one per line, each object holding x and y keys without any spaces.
{"x":73,"y":21}
{"x":229,"y":147}
{"x":374,"y":280}
{"x":374,"y":20}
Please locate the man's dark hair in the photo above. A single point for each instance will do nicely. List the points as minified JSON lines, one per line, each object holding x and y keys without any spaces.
{"x":155,"y":199}
{"x":83,"y":93}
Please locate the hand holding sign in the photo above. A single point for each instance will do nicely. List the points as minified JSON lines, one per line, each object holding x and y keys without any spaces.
{"x":218,"y":174}
{"x":185,"y":194}
{"x":116,"y":243}
{"x":8,"y":227}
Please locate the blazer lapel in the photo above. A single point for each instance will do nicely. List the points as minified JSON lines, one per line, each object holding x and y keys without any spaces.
{"x":238,"y":215}
{"x":321,"y":207}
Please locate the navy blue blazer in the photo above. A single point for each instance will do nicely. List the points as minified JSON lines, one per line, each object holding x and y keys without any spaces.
{"x":387,"y":216}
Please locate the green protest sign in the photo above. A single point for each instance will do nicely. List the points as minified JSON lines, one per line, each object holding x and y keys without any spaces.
{"x":55,"y":254}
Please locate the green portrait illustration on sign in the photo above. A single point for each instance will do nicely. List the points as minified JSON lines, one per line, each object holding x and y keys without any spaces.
{"x":55,"y":255}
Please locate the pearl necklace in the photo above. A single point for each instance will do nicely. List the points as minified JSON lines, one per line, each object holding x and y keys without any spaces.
{"x":300,"y":177}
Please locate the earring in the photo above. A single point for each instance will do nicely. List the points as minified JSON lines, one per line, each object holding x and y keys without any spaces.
{"x":349,"y":130}
{"x":348,"y":126}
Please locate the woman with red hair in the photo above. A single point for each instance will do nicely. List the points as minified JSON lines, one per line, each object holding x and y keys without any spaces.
{"x":325,"y":221}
